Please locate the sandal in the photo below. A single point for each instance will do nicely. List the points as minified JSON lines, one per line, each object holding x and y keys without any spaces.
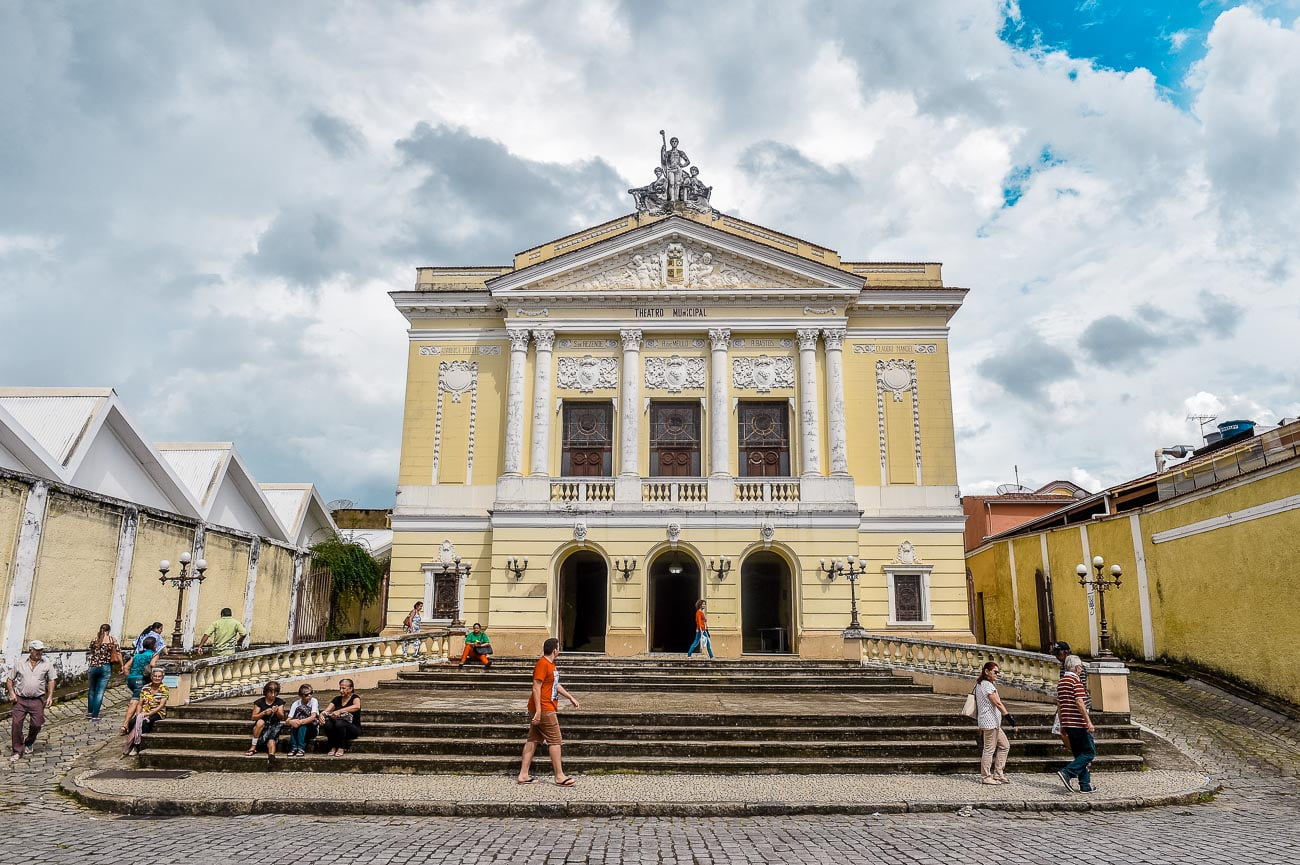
{"x":251,"y":752}
{"x":529,"y":780}
{"x":567,"y":782}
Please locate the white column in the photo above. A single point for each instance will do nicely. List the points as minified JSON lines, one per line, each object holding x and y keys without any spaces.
{"x":545,"y":340}
{"x":810,"y":446}
{"x":515,"y":402}
{"x":122,"y":569}
{"x":250,"y":588}
{"x":1144,"y":594}
{"x":834,"y":339}
{"x":719,"y":417}
{"x":295,"y":589}
{"x":26,"y":552}
{"x":630,"y":410}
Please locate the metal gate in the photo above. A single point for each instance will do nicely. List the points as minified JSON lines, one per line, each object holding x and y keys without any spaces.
{"x":312,"y":615}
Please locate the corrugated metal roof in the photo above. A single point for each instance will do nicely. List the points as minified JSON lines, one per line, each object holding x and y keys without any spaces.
{"x":375,"y":540}
{"x":289,"y":504}
{"x":198,"y":469}
{"x":58,"y":423}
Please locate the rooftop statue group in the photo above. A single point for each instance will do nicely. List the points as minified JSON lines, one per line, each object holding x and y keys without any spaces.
{"x":673,"y":185}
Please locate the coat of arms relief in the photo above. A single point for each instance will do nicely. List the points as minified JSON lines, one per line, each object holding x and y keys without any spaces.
{"x":588,"y":373}
{"x":672,"y":264}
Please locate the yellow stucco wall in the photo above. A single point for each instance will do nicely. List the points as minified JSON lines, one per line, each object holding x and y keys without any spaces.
{"x":227,"y":578}
{"x":1220,"y":599}
{"x":148,"y":600}
{"x":272,"y":595}
{"x":73,"y":588}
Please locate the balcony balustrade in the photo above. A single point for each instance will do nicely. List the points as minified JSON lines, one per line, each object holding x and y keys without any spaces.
{"x":768,"y":490}
{"x":675,"y":490}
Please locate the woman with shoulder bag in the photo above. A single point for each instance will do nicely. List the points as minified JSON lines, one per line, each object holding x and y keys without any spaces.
{"x":989,"y":711}
{"x":478,"y":645}
{"x":101,"y":655}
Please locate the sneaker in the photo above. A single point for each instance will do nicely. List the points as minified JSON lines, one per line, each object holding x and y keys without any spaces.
{"x":1089,"y":790}
{"x":27,"y":749}
{"x":1065,"y":779}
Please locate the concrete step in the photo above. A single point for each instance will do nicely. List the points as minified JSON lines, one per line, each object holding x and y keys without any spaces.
{"x":434,"y":674}
{"x":359,"y":761}
{"x":521,"y":686}
{"x":819,"y":749}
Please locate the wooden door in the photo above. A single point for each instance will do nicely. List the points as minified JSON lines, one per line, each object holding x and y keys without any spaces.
{"x":764,"y":439}
{"x":675,"y":439}
{"x":587,"y":447}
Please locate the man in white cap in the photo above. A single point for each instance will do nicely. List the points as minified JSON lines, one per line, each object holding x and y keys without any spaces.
{"x":31,"y":689}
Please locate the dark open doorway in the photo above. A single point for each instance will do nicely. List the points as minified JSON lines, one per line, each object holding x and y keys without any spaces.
{"x":584,"y":602}
{"x":674,"y":589}
{"x":766,"y":604}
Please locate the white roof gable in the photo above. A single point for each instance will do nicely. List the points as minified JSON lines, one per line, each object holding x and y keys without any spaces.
{"x":83,"y":437}
{"x":301,"y":511}
{"x":223,"y":487}
{"x":378,"y":541}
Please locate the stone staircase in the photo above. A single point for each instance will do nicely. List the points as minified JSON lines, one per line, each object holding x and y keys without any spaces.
{"x":889,"y":725}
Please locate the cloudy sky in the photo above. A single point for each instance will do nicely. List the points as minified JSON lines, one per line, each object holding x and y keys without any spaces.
{"x":204,"y":205}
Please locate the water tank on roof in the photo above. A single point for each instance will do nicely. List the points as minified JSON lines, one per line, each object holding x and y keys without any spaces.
{"x":1232,"y":428}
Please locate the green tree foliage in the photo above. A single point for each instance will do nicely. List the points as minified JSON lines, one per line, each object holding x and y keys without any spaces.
{"x":354,"y":575}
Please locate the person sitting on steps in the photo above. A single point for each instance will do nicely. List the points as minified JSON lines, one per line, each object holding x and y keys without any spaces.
{"x":268,"y":720}
{"x":479,"y":646}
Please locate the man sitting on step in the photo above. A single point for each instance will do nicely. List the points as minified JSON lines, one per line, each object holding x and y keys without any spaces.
{"x":478,"y":645}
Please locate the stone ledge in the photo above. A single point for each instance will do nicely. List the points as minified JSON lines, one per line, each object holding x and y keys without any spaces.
{"x":484,"y":807}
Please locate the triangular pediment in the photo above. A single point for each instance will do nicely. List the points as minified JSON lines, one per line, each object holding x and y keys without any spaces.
{"x":674,"y":255}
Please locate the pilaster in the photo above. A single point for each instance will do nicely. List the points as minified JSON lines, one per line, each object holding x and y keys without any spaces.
{"x":630,"y":408}
{"x":810,"y":448}
{"x":719,"y":425}
{"x":545,"y":340}
{"x":514,"y":456}
{"x":834,"y":340}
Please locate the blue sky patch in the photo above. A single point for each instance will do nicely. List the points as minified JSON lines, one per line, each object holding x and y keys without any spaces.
{"x":1163,"y":36}
{"x":1013,"y":187}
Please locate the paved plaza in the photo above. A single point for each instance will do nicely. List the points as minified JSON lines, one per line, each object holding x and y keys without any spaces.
{"x":1254,"y":820}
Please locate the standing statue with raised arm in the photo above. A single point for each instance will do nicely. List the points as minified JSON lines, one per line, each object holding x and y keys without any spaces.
{"x":674,"y":162}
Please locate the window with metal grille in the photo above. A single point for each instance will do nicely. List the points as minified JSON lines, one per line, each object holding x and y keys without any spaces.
{"x":908,"y":603}
{"x":587,"y":447}
{"x":764,"y":439}
{"x":674,"y":439}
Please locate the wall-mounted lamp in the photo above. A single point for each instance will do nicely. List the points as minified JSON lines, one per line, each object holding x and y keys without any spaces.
{"x":720,"y":568}
{"x":516,"y":567}
{"x":625,"y":567}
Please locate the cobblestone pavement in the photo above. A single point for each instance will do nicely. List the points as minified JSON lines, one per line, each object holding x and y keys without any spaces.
{"x":1255,"y":820}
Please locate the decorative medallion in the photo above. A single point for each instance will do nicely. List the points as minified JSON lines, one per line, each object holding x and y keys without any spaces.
{"x":762,"y":373}
{"x":766,"y":532}
{"x":447,"y":553}
{"x":675,"y":373}
{"x":588,"y":373}
{"x":457,"y":376}
{"x":674,"y":533}
{"x":907,"y":554}
{"x":580,"y":532}
{"x":896,"y":376}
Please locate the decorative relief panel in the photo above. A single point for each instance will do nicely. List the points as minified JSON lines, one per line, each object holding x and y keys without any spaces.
{"x":587,"y":343}
{"x":917,"y":348}
{"x":588,"y":373}
{"x":674,"y":374}
{"x":674,"y":343}
{"x":751,"y":342}
{"x":455,"y":379}
{"x":762,"y":373}
{"x":897,"y":377}
{"x":676,"y":263}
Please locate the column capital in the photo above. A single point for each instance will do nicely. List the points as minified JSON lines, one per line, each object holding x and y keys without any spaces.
{"x":720,"y":337}
{"x":807,"y":338}
{"x":631,"y":339}
{"x":518,"y":337}
{"x":834,"y":337}
{"x":545,"y":339}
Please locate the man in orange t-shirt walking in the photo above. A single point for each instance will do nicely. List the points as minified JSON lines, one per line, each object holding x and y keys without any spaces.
{"x":543,"y":720}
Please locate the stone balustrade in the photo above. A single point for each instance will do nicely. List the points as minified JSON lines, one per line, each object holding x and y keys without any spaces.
{"x":1028,"y":670}
{"x":660,"y":490}
{"x":767,"y":491}
{"x":245,"y":671}
{"x":579,"y":490}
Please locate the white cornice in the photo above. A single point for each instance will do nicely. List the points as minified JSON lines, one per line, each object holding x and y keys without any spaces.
{"x":738,"y":326}
{"x":472,"y":333}
{"x":833,"y":277}
{"x":896,"y":333}
{"x":911,"y":298}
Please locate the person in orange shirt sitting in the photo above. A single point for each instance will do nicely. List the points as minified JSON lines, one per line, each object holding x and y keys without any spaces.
{"x":702,"y":637}
{"x":543,"y":722}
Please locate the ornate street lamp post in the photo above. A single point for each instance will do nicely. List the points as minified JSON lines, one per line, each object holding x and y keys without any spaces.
{"x":181,"y":581}
{"x":446,"y":592}
{"x":1100,"y":583}
{"x":851,"y":569}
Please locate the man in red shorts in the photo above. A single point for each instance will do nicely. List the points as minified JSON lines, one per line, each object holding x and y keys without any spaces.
{"x":543,"y":720}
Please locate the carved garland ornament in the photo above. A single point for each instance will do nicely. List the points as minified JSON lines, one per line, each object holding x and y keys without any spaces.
{"x":588,"y":373}
{"x":897,"y":376}
{"x":675,"y":373}
{"x":456,"y":378}
{"x":762,"y":373}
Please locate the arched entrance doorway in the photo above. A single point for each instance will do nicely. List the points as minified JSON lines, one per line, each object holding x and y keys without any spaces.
{"x":766,"y":604}
{"x":583,"y":602}
{"x":674,"y":588}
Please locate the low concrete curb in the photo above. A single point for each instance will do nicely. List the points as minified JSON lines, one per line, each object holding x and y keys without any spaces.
{"x":417,"y":808}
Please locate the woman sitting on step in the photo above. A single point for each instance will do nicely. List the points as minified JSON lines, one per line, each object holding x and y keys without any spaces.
{"x":146,"y":710}
{"x":477,"y":645}
{"x":342,"y":720}
{"x":268,"y":720}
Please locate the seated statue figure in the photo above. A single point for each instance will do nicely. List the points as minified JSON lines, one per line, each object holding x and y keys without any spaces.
{"x":652,"y":197}
{"x":695,"y":193}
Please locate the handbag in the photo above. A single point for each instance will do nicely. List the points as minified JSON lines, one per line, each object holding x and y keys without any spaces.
{"x":969,"y":709}
{"x":484,"y":648}
{"x":115,"y":657}
{"x":1056,"y":725}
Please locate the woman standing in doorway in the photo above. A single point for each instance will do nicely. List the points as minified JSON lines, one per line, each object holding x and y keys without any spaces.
{"x":702,"y":637}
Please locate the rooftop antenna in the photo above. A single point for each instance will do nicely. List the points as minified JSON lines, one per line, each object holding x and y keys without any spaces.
{"x":1203,"y":419}
{"x":1017,"y":471}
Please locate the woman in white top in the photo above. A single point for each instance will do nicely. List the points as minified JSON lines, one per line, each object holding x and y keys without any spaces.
{"x":989,"y":712}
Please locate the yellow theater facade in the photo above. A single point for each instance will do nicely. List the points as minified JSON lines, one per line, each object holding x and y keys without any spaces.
{"x":673,"y":406}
